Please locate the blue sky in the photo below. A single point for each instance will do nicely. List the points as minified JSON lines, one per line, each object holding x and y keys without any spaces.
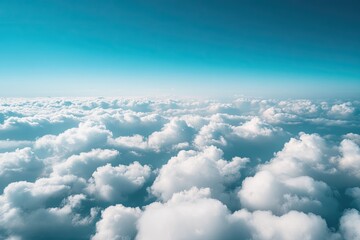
{"x":207,"y":48}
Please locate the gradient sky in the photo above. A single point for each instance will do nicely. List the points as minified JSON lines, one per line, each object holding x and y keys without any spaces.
{"x":284,"y":48}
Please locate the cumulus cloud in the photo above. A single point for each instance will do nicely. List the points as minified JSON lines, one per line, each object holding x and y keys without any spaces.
{"x":50,"y":204}
{"x":254,"y":128}
{"x":179,"y":169}
{"x":117,"y":183}
{"x":135,"y":142}
{"x":187,"y":215}
{"x":308,"y":151}
{"x":19,"y":165}
{"x":349,"y":224}
{"x":201,"y":169}
{"x":193,"y":214}
{"x":265,"y":191}
{"x":75,"y":140}
{"x":117,"y":223}
{"x":293,"y":225}
{"x":341,"y":110}
{"x":350,"y":157}
{"x":84,"y":164}
{"x":175,"y":132}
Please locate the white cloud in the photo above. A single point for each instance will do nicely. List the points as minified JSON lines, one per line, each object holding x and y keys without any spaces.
{"x":50,"y":204}
{"x":263,"y":225}
{"x":349,"y":225}
{"x":193,"y":214}
{"x":117,"y":183}
{"x":298,"y":155}
{"x":265,"y":191}
{"x":75,"y":140}
{"x":350,"y":157}
{"x":341,"y":110}
{"x":59,"y":167}
{"x":255,"y":128}
{"x":84,"y":164}
{"x":18,"y":165}
{"x":117,"y":223}
{"x":136,"y":141}
{"x":174,"y":132}
{"x":212,"y":134}
{"x":204,"y":168}
{"x":188,"y":215}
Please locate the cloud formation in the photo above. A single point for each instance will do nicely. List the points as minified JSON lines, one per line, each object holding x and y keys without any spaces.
{"x":113,"y":168}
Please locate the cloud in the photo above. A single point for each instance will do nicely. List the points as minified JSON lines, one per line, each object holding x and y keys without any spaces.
{"x":349,"y":224}
{"x":265,"y":191}
{"x":240,"y":168}
{"x":187,"y":215}
{"x":135,"y":142}
{"x":342,"y":110}
{"x":354,"y":193}
{"x":117,"y":183}
{"x":263,"y":225}
{"x":255,"y":128}
{"x":21,"y":127}
{"x":84,"y":164}
{"x":193,"y":214}
{"x":20,"y":165}
{"x":202,"y":169}
{"x":12,"y":145}
{"x":174,"y":132}
{"x":117,"y":223}
{"x":212,"y":134}
{"x":75,"y":140}
{"x":350,"y":157}
{"x":308,"y":151}
{"x":48,"y":202}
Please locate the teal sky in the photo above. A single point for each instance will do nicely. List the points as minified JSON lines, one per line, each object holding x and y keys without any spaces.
{"x":205,"y":48}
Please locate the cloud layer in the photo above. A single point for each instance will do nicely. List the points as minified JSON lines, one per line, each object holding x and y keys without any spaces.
{"x":112,"y":168}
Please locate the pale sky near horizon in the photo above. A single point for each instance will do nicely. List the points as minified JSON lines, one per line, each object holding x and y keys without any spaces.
{"x":196,"y":48}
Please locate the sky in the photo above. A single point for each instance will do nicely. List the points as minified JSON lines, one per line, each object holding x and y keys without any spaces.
{"x":188,"y":48}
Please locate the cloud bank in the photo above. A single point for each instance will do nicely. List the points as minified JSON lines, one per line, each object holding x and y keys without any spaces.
{"x":113,"y":168}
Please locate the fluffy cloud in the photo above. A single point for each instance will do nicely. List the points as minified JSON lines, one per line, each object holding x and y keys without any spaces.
{"x":193,"y":214}
{"x":255,"y":128}
{"x":231,"y":169}
{"x":265,"y":191}
{"x":342,"y":110}
{"x":49,"y":203}
{"x":135,"y":142}
{"x":187,"y":215}
{"x":117,"y":223}
{"x":213,"y":133}
{"x":75,"y":140}
{"x":117,"y":183}
{"x":349,"y":224}
{"x":350,"y":157}
{"x":263,"y":225}
{"x":18,"y":165}
{"x":309,"y":151}
{"x":201,"y":169}
{"x":176,"y":131}
{"x":84,"y":164}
